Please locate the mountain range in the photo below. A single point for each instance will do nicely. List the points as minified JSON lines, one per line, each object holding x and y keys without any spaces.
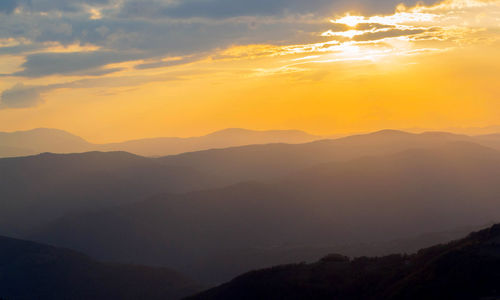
{"x":53,"y":185}
{"x":40,"y":140}
{"x":216,"y":213}
{"x":214,"y":234}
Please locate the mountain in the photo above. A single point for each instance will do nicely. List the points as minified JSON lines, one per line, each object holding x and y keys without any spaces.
{"x":212,"y":235}
{"x":464,"y":269}
{"x":48,"y":186}
{"x":36,"y":141}
{"x":221,"y":139}
{"x":31,"y":142}
{"x":491,"y":140}
{"x":35,"y":271}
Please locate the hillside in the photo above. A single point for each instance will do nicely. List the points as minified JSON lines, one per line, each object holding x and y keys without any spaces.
{"x":34,"y":271}
{"x":215,"y":234}
{"x":464,"y":269}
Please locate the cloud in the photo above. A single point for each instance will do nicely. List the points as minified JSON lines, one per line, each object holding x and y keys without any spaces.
{"x":152,"y":32}
{"x":21,"y":96}
{"x":122,"y":41}
{"x":8,"y":6}
{"x":60,"y":5}
{"x":155,"y":29}
{"x":24,"y":96}
{"x":213,"y":9}
{"x":219,"y":9}
{"x":78,"y":63}
{"x":373,"y":36}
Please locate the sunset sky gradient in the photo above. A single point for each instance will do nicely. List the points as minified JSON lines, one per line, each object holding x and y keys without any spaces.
{"x":111,"y":70}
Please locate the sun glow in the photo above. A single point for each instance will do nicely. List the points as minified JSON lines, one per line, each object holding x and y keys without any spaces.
{"x":409,"y":31}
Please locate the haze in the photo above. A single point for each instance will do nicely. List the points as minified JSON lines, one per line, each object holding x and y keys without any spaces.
{"x":249,"y":149}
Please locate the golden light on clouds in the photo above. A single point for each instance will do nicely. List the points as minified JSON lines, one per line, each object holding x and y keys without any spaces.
{"x":431,"y":67}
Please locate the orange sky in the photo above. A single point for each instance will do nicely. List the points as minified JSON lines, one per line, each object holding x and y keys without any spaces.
{"x":433,"y":67}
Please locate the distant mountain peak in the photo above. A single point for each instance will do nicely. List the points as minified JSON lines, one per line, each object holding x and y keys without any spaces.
{"x":390,"y":132}
{"x":42,"y":130}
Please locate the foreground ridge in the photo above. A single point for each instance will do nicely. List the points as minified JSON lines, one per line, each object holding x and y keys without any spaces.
{"x":465,"y":269}
{"x":30,"y":270}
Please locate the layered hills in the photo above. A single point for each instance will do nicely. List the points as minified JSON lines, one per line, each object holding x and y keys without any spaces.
{"x":40,"y":140}
{"x":217,"y":233}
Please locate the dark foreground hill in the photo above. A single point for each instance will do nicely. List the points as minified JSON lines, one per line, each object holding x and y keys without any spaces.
{"x":34,"y":271}
{"x":213,"y":235}
{"x":465,"y":269}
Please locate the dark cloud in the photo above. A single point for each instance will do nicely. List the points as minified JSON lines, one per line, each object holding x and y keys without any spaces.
{"x":21,"y":96}
{"x":8,"y":6}
{"x":60,"y":5}
{"x":218,"y":9}
{"x":77,"y":63}
{"x":151,"y":40}
{"x":151,"y":30}
{"x":213,"y":9}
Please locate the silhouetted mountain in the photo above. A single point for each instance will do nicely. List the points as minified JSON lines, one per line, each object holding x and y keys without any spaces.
{"x":465,"y":269}
{"x":38,"y":189}
{"x":215,"y":234}
{"x":34,"y":271}
{"x":221,"y":139}
{"x":42,"y":140}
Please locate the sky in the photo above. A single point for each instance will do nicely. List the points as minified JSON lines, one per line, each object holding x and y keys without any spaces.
{"x":112,"y":70}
